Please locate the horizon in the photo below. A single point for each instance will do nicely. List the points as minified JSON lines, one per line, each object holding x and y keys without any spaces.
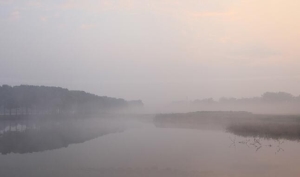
{"x":156,"y":88}
{"x":171,"y":102}
{"x":156,"y":51}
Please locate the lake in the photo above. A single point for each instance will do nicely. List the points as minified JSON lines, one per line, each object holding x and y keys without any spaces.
{"x":133,"y":148}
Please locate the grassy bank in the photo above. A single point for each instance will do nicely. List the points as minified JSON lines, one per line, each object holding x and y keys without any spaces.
{"x":240,"y":123}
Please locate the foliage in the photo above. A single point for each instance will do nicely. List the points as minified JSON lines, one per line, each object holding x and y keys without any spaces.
{"x":26,"y":99}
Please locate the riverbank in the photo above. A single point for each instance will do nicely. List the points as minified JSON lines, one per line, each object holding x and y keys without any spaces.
{"x":243,"y":124}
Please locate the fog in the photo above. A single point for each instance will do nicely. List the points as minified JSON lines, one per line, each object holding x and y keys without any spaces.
{"x":156,"y":51}
{"x":149,"y":88}
{"x":192,"y":144}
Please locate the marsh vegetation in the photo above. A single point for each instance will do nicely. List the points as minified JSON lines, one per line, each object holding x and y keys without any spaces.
{"x":239,"y":123}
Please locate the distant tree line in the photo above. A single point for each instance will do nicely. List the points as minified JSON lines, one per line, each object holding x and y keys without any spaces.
{"x":268,"y":98}
{"x":267,"y":103}
{"x":26,"y":100}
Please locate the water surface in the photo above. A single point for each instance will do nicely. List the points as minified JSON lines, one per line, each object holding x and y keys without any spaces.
{"x":133,"y":148}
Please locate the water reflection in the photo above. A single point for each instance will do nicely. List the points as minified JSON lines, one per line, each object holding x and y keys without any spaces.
{"x":144,"y":150}
{"x":266,"y":129}
{"x":27,"y":136}
{"x":258,"y":143}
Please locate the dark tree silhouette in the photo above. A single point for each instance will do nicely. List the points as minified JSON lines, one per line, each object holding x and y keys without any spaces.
{"x":26,"y":99}
{"x":277,"y":97}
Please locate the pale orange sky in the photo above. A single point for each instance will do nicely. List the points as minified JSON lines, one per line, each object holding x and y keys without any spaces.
{"x":157,"y":51}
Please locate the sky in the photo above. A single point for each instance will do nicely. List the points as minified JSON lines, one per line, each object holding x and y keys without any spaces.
{"x":157,"y":51}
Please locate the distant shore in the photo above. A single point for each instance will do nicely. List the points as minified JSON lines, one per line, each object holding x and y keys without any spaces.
{"x":239,"y":123}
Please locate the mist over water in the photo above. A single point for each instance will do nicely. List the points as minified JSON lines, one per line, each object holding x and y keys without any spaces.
{"x":152,"y":88}
{"x":123,"y":146}
{"x":51,"y":131}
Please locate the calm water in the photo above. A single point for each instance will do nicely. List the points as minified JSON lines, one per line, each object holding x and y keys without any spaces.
{"x":132,"y":148}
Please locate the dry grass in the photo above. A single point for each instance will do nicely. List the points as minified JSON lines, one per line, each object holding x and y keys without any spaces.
{"x":239,"y":123}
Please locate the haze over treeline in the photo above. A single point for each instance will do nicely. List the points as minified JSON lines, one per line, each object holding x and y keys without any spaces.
{"x":27,"y":99}
{"x":269,"y":103}
{"x":154,"y":50}
{"x":267,"y":97}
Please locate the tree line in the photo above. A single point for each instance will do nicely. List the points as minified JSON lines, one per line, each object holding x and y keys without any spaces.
{"x":27,"y":99}
{"x":267,"y":98}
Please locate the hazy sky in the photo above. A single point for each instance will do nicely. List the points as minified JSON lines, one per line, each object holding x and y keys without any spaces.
{"x":154,"y":50}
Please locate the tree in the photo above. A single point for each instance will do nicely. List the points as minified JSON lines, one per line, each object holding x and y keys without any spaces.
{"x":46,"y":100}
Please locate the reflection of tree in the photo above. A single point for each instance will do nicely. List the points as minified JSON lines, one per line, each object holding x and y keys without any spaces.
{"x":284,"y":129}
{"x":35,"y":137}
{"x":257,"y":143}
{"x":279,"y":149}
{"x":232,"y":142}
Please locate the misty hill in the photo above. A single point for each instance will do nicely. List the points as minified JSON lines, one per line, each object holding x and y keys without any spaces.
{"x":268,"y":97}
{"x":26,"y":99}
{"x":267,"y":103}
